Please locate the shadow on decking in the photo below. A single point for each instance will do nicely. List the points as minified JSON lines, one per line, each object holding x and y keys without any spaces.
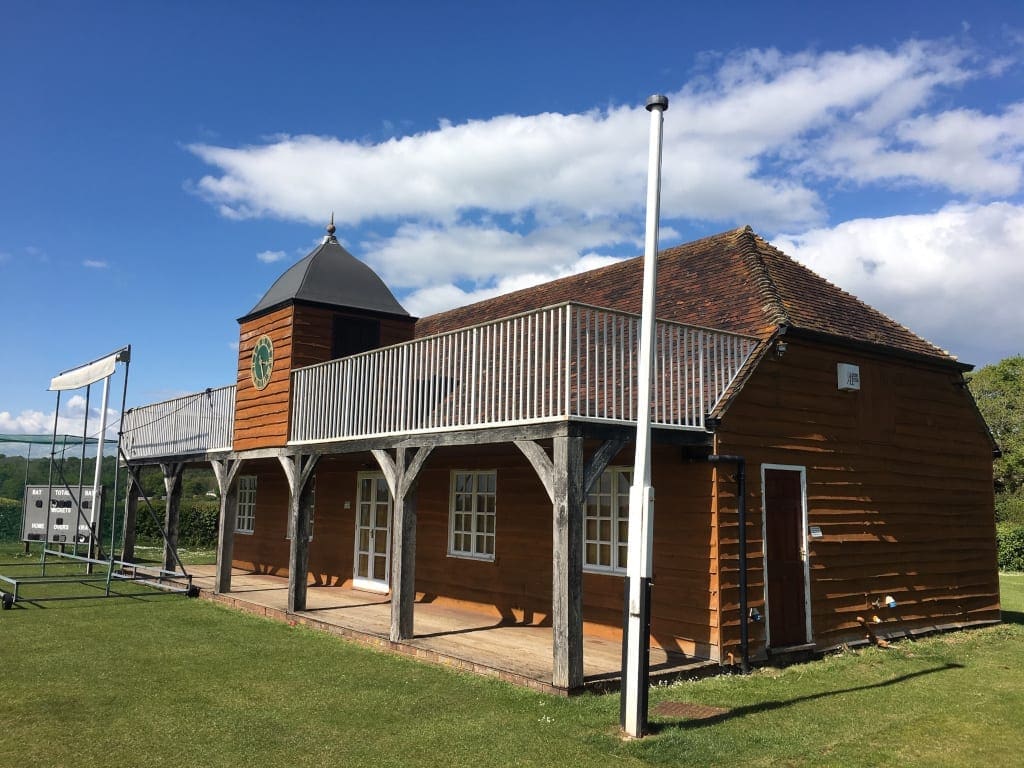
{"x":459,"y":636}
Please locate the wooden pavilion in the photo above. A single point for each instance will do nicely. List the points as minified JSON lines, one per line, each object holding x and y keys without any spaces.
{"x":480,"y":457}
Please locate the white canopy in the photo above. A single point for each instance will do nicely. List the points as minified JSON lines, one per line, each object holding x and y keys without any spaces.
{"x":87,"y":374}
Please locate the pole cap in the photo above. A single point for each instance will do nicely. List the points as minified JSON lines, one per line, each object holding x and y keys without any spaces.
{"x":657,"y":101}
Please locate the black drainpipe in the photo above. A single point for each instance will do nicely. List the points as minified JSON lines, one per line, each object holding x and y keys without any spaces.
{"x":741,"y":511}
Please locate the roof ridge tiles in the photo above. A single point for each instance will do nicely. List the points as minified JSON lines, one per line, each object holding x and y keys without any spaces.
{"x":750,"y":249}
{"x":764,"y":245}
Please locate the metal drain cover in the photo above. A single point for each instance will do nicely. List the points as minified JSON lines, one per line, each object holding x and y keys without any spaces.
{"x":687,"y":710}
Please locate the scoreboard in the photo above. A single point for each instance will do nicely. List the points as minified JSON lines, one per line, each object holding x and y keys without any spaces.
{"x":66,"y":525}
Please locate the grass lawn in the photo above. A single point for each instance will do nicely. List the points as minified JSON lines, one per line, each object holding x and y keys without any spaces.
{"x":160,"y":680}
{"x":153,"y":552}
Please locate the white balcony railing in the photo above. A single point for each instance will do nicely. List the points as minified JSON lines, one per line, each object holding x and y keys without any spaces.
{"x":569,"y":361}
{"x":191,"y":424}
{"x":566,"y":361}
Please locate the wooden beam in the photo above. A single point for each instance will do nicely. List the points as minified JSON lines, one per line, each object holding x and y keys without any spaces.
{"x":298,"y":469}
{"x":599,"y":461}
{"x":389,"y":468}
{"x":172,"y":483}
{"x":541,"y":463}
{"x":412,"y":471}
{"x":479,"y":436}
{"x":226,"y":472}
{"x":567,"y":563}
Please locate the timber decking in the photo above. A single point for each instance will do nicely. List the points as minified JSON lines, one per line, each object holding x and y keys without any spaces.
{"x":474,"y":641}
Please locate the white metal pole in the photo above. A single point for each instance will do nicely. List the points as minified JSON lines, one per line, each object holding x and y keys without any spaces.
{"x":94,"y":517}
{"x":641,"y":494}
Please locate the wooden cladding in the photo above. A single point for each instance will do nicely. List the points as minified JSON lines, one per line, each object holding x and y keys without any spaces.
{"x":899,"y":483}
{"x":261,"y":416}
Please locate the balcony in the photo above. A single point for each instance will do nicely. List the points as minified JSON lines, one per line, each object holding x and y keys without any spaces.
{"x":565,"y":362}
{"x":189,"y":425}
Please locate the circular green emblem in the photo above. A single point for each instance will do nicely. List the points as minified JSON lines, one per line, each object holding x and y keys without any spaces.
{"x":262,"y":362}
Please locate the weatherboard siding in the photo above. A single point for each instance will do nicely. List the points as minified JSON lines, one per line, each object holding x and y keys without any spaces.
{"x":899,"y":479}
{"x":261,"y":416}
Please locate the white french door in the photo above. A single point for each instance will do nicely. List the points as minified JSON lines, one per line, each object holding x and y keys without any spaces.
{"x":372,"y":559}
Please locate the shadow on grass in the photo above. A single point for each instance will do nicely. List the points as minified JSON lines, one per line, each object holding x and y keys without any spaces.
{"x":769,"y":706}
{"x":1013,"y":617}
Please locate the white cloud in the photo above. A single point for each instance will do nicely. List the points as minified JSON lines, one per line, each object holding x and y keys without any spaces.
{"x":94,"y":264}
{"x":26,"y":423}
{"x":739,"y":144}
{"x":470,"y":210}
{"x":955,"y":276}
{"x":269,"y":257}
{"x":427,"y":254}
{"x":70,"y":422}
{"x":962,"y":150}
{"x":437,"y":298}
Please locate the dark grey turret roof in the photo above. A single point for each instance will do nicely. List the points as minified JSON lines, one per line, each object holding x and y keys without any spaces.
{"x":331,"y":276}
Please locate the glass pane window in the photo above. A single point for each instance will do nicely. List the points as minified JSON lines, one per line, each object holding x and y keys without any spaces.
{"x":606,"y":523}
{"x":472,"y":514}
{"x":245,"y":520}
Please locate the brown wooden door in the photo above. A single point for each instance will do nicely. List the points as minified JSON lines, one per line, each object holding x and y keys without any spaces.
{"x":784,"y":556}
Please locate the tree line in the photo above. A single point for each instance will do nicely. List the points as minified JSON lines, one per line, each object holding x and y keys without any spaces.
{"x":998,"y":390}
{"x":196,"y":483}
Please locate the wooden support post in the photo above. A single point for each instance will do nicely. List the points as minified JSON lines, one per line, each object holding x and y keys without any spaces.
{"x":401,"y":472}
{"x":298,"y":469}
{"x":131,"y":513}
{"x":567,"y":563}
{"x":567,"y":481}
{"x":172,"y":483}
{"x":226,"y":472}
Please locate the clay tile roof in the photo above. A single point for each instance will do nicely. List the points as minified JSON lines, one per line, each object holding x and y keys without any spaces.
{"x":734,"y":281}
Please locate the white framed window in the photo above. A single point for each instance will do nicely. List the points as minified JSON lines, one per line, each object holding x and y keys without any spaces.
{"x":471,"y":522}
{"x":245,"y":519}
{"x":606,"y":522}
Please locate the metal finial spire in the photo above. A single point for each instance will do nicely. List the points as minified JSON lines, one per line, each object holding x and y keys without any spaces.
{"x":331,"y":229}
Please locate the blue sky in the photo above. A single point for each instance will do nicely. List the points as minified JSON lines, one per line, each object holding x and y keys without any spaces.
{"x":164,"y":162}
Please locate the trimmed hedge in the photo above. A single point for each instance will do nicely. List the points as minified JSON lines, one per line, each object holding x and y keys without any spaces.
{"x":1010,"y":507}
{"x":197,"y":525}
{"x":196,"y":528}
{"x":1010,"y":537}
